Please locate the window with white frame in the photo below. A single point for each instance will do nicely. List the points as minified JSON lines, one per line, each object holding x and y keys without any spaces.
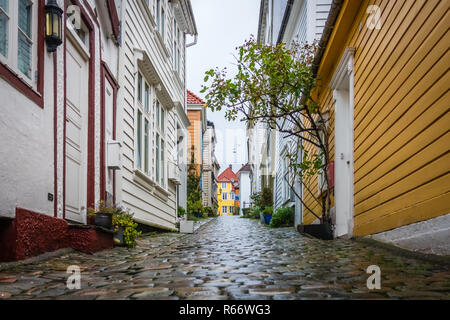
{"x":224,"y":196}
{"x":224,"y":209}
{"x":18,"y":36}
{"x":224,"y":185}
{"x":231,"y":209}
{"x":160,"y":15}
{"x":143,"y":152}
{"x":176,"y":46}
{"x":231,"y":196}
{"x":160,"y":157}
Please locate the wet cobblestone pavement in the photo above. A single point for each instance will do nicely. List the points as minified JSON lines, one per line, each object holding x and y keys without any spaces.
{"x":230,"y":258}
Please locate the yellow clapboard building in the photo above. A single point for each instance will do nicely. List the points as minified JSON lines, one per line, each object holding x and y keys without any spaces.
{"x":383,"y":75}
{"x":228,"y":193}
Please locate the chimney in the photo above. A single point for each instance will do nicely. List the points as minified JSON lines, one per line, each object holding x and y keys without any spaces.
{"x":231,"y":166}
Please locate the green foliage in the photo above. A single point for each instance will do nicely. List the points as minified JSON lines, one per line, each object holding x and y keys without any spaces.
{"x":266,"y":198}
{"x":102,"y":207}
{"x":125,"y":220}
{"x":283,"y":217}
{"x":256,"y":199}
{"x":193,"y":181}
{"x":246,"y":212}
{"x":268,"y":211}
{"x":275,"y":85}
{"x":255,"y":212}
{"x":181,"y":211}
{"x":210,"y":212}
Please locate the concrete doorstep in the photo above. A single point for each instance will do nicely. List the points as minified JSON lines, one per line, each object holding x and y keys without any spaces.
{"x":408,"y":253}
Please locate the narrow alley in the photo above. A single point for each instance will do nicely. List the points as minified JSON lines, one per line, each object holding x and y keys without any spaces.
{"x":230,"y":258}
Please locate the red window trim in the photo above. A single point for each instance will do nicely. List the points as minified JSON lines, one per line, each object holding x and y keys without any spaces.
{"x":19,"y":84}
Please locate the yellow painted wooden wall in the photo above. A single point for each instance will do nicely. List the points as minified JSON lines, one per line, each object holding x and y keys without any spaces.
{"x":401,"y":119}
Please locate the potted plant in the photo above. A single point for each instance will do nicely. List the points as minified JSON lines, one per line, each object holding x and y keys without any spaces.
{"x":103,"y":215}
{"x":267,"y":212}
{"x":125,"y":229}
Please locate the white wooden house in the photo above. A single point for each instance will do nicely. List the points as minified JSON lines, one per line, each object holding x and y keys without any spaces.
{"x":152,"y":119}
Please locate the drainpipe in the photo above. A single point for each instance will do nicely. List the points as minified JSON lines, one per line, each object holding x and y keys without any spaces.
{"x":192,"y":43}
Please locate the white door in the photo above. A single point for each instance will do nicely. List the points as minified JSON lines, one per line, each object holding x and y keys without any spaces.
{"x":76,"y":134}
{"x":109,"y":135}
{"x":343,"y":84}
{"x":343,"y":157}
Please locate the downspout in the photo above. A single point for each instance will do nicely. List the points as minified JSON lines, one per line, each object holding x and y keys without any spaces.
{"x":192,"y":43}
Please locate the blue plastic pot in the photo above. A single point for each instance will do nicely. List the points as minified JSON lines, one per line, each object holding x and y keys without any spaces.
{"x":268,"y":218}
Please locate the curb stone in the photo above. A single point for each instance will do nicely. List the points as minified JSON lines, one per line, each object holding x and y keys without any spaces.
{"x":427,"y":257}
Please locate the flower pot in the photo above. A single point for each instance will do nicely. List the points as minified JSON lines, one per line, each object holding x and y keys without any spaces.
{"x":268,"y":218}
{"x":103,"y":220}
{"x":198,"y":215}
{"x":119,"y":239}
{"x":322,"y":231}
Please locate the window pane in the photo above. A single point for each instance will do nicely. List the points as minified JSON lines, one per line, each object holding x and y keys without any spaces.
{"x":146,"y":151}
{"x":24,"y":55}
{"x":4,"y":4}
{"x":139,"y":140}
{"x":157,"y":114}
{"x":162,"y":119}
{"x":147,"y":97}
{"x":157,"y":157}
{"x":158,"y":6}
{"x":3,"y":34}
{"x":162,"y":163}
{"x":139,"y":87}
{"x":25,"y":7}
{"x":162,"y":22}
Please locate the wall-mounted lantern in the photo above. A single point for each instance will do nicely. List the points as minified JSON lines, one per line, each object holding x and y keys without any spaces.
{"x":53,"y":25}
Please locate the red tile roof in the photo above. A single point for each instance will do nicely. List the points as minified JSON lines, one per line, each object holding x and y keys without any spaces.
{"x":227,"y":176}
{"x":245,"y":167}
{"x":193,"y":99}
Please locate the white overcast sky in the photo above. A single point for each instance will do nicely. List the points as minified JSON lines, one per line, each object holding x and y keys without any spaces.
{"x":222,"y":26}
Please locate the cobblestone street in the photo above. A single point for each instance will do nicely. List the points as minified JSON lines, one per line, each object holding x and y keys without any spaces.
{"x":230,"y":258}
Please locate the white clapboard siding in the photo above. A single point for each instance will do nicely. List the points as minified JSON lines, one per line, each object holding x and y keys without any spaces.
{"x":148,"y":205}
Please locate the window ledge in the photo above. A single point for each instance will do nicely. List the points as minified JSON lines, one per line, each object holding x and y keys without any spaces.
{"x":176,"y":74}
{"x":161,"y":192}
{"x":161,"y":44}
{"x":144,"y":180}
{"x":17,"y":81}
{"x":147,"y":13}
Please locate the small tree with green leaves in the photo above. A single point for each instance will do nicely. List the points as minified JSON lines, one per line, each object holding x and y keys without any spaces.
{"x":194,"y":198}
{"x":274,"y":85}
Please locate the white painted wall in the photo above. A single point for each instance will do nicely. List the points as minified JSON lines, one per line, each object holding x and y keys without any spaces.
{"x":26,"y":151}
{"x":150,"y":206}
{"x":245,"y":189}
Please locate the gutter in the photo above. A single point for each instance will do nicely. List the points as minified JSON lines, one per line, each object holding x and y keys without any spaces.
{"x":335,"y":9}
